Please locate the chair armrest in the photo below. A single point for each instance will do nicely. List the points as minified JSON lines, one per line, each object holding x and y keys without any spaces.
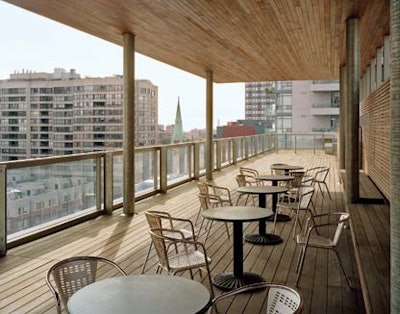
{"x":187,"y":243}
{"x":185,"y":221}
{"x":220,"y":189}
{"x":310,"y":224}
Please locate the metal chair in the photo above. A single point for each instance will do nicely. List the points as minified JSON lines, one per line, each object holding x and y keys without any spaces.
{"x":292,"y":195}
{"x":192,"y":254}
{"x":250,"y":175}
{"x":223,"y":196}
{"x":302,"y":204}
{"x":279,"y":298}
{"x":310,"y":239}
{"x":66,"y":277}
{"x":276,"y":171}
{"x":207,"y":202}
{"x":320,"y":178}
{"x":162,"y":219}
{"x":241,"y":180}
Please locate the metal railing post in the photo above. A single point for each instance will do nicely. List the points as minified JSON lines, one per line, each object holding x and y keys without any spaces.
{"x":295,"y":144}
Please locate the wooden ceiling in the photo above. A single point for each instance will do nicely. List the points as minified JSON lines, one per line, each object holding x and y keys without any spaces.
{"x":239,"y":40}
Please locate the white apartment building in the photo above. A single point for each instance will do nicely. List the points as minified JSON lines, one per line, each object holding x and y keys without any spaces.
{"x":59,"y":113}
{"x":294,"y":106}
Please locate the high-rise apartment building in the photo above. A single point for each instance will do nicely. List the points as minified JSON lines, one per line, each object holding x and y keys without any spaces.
{"x":48,"y":114}
{"x":293,"y":106}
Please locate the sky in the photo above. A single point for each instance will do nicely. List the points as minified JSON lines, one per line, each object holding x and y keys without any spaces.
{"x":34,"y":43}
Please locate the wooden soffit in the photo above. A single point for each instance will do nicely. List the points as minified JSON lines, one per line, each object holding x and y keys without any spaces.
{"x":239,"y":40}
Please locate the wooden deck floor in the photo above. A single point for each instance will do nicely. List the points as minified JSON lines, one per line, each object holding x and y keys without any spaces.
{"x":125,"y":240}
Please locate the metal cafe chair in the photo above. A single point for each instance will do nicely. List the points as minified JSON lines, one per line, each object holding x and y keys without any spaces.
{"x":67,"y":276}
{"x":162,"y":219}
{"x":310,"y":239}
{"x":192,"y":256}
{"x":279,"y":298}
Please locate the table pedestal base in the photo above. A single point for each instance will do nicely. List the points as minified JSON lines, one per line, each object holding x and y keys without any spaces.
{"x":266,"y":239}
{"x":279,"y":218}
{"x":227,"y":281}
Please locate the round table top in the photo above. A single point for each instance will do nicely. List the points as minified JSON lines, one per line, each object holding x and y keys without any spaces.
{"x":286,"y":167}
{"x":262,"y":189}
{"x":141,"y":294}
{"x":274,"y":178}
{"x":236,"y":213}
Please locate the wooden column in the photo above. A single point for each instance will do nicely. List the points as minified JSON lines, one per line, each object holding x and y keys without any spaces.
{"x":209,"y":126}
{"x":352,"y":109}
{"x":395,"y":158}
{"x":342,"y":118}
{"x":129,"y":125}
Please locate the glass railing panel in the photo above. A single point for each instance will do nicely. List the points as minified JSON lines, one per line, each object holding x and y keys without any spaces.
{"x":225,"y":152}
{"x":202,"y":158}
{"x":146,"y":170}
{"x":38,"y":196}
{"x":117,"y":178}
{"x":178,"y":163}
{"x":239,"y":148}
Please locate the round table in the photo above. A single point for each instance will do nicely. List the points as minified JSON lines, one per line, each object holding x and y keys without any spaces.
{"x":286,"y":168}
{"x":262,"y":237}
{"x":141,"y":294}
{"x":275,"y":179}
{"x":237,"y":215}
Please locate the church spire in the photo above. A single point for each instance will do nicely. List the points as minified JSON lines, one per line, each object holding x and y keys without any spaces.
{"x":177,"y":136}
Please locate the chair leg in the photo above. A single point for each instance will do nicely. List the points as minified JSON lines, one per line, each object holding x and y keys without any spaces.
{"x":300,"y":267}
{"x":201,"y":227}
{"x":147,"y":257}
{"x":208,"y":232}
{"x":198,"y":216}
{"x":227,"y":230}
{"x":329,"y":193}
{"x":341,"y":266}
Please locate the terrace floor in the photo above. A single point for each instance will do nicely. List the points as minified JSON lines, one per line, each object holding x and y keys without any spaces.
{"x":125,"y":240}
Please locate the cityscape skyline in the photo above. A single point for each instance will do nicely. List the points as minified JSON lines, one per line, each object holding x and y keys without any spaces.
{"x":35,"y":43}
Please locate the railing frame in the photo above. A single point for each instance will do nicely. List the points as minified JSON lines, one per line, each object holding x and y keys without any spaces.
{"x":239,"y":149}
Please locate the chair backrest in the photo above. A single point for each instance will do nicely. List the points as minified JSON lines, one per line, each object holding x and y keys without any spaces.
{"x":74,"y":273}
{"x":298,"y":177}
{"x":241,"y":180}
{"x":154,"y":219}
{"x":320,"y":175}
{"x":281,"y":298}
{"x":306,"y":193}
{"x":340,"y":226}
{"x":160,"y":246}
{"x":203,"y":187}
{"x":248,"y":171}
{"x":206,"y":199}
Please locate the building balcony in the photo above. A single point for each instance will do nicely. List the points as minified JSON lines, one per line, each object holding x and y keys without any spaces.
{"x":325,"y":109}
{"x":324,"y":86}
